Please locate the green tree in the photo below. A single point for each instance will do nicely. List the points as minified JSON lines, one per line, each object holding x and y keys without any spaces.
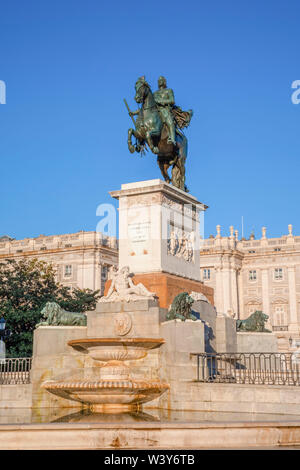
{"x":25,"y":287}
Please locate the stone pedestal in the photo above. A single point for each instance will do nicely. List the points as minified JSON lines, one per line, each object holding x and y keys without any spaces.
{"x":159,"y":238}
{"x":178,"y":367}
{"x":53,"y":358}
{"x":181,"y":339}
{"x":208,"y":315}
{"x":226,"y":341}
{"x":256,"y":342}
{"x":138,"y":319}
{"x":182,"y":336}
{"x":159,"y":229}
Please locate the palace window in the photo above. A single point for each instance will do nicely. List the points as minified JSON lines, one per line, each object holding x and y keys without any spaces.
{"x":104,"y":273}
{"x":280,"y":316}
{"x":278,"y":274}
{"x":68,"y":270}
{"x":252,"y":275}
{"x":104,"y":276}
{"x":206,"y":274}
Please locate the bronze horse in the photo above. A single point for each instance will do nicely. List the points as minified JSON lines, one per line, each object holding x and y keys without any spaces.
{"x":149,"y":129}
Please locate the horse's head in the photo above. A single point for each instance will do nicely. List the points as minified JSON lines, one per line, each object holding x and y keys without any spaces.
{"x":142,"y":89}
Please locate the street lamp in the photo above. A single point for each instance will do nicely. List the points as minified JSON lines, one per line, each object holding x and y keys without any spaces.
{"x":2,"y":344}
{"x":3,"y":331}
{"x":290,"y":340}
{"x":2,"y":324}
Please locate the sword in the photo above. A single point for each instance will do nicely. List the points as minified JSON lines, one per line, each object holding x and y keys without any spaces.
{"x":128,"y":109}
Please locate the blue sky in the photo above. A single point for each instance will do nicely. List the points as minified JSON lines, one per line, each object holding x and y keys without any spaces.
{"x":67,"y":66}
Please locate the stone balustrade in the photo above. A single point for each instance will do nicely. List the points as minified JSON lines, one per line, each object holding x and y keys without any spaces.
{"x":54,"y":242}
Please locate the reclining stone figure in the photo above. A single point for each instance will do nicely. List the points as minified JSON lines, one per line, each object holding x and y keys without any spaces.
{"x":122,"y":288}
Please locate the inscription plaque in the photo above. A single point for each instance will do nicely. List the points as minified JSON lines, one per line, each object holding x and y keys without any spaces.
{"x":139,"y":234}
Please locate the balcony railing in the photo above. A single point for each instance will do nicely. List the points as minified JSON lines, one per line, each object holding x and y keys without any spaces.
{"x":249,"y":368}
{"x":14,"y":371}
{"x":280,"y":328}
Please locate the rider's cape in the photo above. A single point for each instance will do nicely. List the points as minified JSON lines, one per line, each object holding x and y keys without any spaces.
{"x":182,"y":118}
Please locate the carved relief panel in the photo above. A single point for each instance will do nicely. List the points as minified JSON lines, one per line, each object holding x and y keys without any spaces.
{"x":181,"y":243}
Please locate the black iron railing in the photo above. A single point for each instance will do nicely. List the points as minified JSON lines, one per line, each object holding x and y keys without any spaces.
{"x":15,"y":371}
{"x":249,"y":368}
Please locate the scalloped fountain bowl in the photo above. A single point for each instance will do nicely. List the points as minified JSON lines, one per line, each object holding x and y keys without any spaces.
{"x":114,"y":390}
{"x":118,"y":349}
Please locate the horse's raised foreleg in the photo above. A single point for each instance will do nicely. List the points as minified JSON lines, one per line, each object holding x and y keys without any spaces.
{"x":129,"y":141}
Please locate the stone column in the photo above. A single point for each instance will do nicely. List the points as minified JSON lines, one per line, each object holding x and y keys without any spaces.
{"x":226,"y":289}
{"x":234,"y":290}
{"x":265,"y":294}
{"x":219,"y":290}
{"x":101,"y":283}
{"x":240,"y":294}
{"x":97,"y":273}
{"x":80,"y":271}
{"x":293,"y":324}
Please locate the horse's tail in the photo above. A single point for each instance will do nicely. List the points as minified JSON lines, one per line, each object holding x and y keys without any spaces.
{"x":182,"y":144}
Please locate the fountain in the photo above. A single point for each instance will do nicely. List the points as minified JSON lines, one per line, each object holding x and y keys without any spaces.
{"x":110,"y":387}
{"x":121,"y":362}
{"x":112,"y":390}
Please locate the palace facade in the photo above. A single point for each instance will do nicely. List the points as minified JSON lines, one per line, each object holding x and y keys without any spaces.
{"x":81,"y":259}
{"x":249,"y":275}
{"x":246,"y":275}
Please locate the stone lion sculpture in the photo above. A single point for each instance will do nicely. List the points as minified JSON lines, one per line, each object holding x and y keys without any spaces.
{"x":256,"y":322}
{"x":54,"y":315}
{"x":181,"y":308}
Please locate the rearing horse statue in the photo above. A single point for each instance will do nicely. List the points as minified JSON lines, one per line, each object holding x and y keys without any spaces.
{"x":152,"y":131}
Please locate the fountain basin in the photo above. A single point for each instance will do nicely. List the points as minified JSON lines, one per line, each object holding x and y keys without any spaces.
{"x":108,"y":395}
{"x":116,"y":349}
{"x":112,"y":390}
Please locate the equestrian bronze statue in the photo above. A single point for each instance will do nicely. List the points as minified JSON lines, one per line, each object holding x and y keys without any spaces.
{"x":159,"y":125}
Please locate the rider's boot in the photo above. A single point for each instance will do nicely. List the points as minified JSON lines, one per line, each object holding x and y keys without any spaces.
{"x":171,"y":138}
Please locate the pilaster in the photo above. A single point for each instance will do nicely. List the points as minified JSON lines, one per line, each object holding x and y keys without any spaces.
{"x":293,"y":324}
{"x":265,"y":293}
